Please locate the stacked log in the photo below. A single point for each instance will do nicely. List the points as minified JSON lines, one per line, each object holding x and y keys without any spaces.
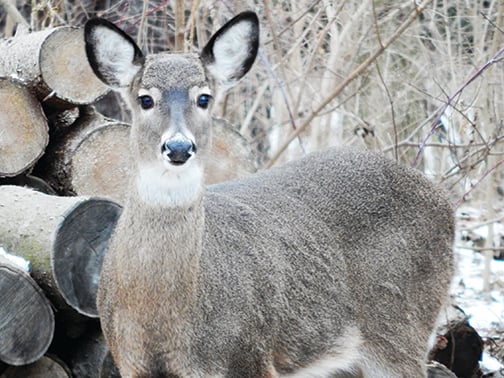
{"x":24,"y":133}
{"x":27,"y":325}
{"x":92,"y":158}
{"x":64,"y":170}
{"x":49,"y":62}
{"x":64,"y":238}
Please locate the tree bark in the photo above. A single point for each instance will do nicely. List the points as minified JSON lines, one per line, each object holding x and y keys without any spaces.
{"x":27,"y":319}
{"x":53,"y":63}
{"x":24,"y":131}
{"x":64,"y":238}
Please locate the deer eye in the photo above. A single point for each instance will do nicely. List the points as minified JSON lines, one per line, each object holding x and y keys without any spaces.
{"x":203,"y":101}
{"x":146,"y":102}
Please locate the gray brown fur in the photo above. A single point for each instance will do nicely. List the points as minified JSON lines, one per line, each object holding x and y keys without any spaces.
{"x":342,"y":257}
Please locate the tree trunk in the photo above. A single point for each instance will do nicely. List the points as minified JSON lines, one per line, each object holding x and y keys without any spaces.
{"x":47,"y":366}
{"x":64,"y":238}
{"x":27,"y":319}
{"x":53,"y":63}
{"x":24,"y":131}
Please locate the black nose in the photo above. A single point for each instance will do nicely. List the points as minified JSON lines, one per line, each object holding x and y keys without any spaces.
{"x":178,"y":150}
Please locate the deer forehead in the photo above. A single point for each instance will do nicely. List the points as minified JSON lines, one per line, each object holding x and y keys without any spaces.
{"x":166,"y":71}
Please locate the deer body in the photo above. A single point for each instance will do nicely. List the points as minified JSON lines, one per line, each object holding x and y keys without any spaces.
{"x":339,"y":261}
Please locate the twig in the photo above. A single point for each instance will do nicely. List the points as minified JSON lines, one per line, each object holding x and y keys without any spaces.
{"x":358,"y":71}
{"x":308,"y":9}
{"x":392,"y":111}
{"x":12,"y":11}
{"x":460,"y":201}
{"x":491,"y":22}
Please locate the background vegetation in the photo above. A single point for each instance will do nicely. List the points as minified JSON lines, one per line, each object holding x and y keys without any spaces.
{"x":422,"y":82}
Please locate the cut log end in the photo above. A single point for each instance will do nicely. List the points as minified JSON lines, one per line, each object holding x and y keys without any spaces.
{"x":27,"y":320}
{"x":65,"y":68}
{"x":108,"y":173}
{"x":24,"y":131}
{"x":82,"y":240}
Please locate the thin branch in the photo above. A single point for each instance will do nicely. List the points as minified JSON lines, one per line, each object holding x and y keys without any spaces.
{"x":492,"y":23}
{"x":460,"y":201}
{"x":12,"y":11}
{"x":308,"y":9}
{"x":392,"y":110}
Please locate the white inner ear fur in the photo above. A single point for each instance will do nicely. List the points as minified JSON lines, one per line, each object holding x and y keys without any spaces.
{"x":231,"y":50}
{"x":114,"y":56}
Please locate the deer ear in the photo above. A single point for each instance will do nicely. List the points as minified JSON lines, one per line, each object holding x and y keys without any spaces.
{"x":113,"y":55}
{"x":232,"y":50}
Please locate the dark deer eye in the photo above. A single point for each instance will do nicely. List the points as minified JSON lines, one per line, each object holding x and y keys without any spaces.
{"x":203,"y":101}
{"x":146,"y":102}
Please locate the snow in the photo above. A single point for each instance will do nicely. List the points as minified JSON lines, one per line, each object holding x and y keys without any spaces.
{"x":484,"y":309}
{"x":490,"y":363}
{"x":16,"y":260}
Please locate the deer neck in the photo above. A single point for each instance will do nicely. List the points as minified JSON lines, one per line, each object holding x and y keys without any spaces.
{"x":170,"y":233}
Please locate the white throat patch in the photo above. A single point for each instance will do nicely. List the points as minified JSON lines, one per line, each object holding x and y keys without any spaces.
{"x":179,"y":186}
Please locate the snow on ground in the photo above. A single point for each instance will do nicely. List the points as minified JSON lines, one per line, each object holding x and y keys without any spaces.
{"x":485,"y":310}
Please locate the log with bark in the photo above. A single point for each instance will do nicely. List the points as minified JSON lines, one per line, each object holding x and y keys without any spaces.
{"x":26,"y":317}
{"x":64,"y":238}
{"x":53,"y":63}
{"x":23,"y":129}
{"x":93,"y":157}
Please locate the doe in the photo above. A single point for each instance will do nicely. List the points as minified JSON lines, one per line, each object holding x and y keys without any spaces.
{"x":339,"y":262}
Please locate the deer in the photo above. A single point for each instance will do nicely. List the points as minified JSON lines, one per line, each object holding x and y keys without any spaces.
{"x":338,"y":262}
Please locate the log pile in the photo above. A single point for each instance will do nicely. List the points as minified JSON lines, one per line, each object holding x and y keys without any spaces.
{"x":64,"y":169}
